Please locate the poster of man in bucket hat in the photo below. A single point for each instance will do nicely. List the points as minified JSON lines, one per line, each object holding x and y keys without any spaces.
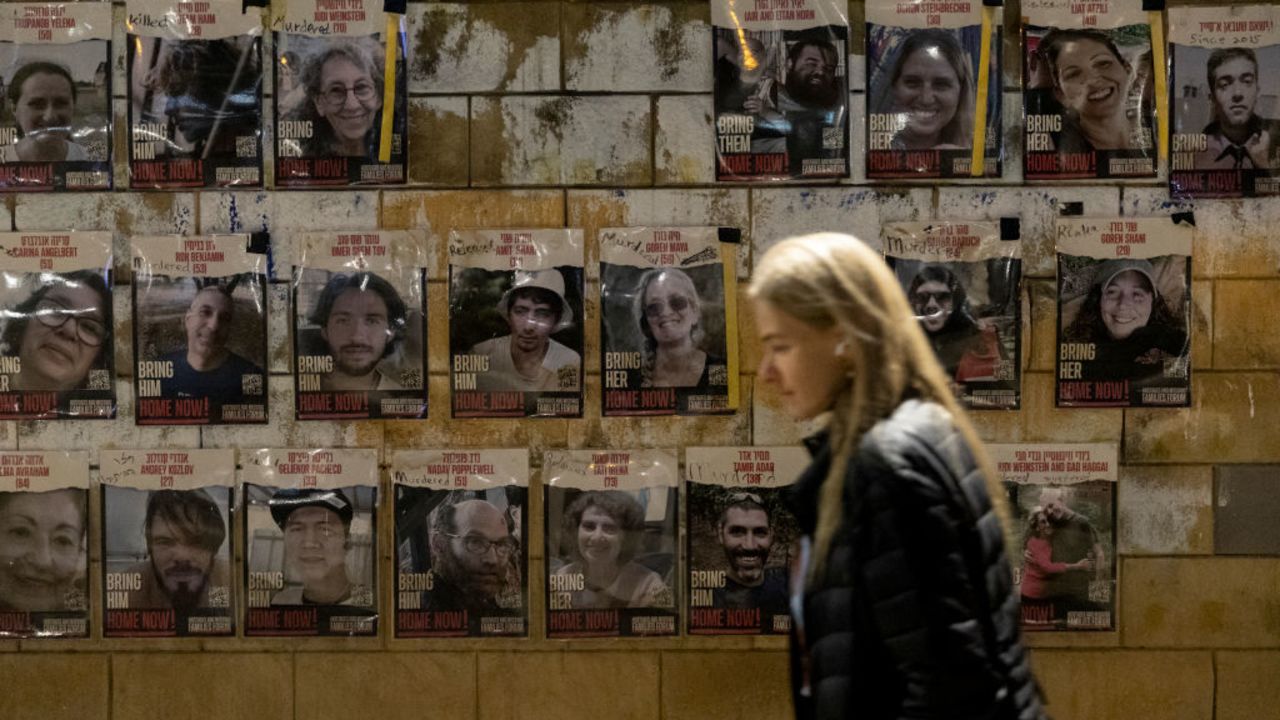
{"x":527,"y":358}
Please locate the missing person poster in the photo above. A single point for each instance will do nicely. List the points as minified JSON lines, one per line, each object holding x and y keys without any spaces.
{"x":1124,"y":312}
{"x":55,"y":126}
{"x":44,"y":546}
{"x":741,"y":538}
{"x":462,"y":543}
{"x":668,"y":320}
{"x":1089,"y":90}
{"x":166,"y":542}
{"x":1226,"y":114}
{"x":200,"y":330}
{"x":924,"y":63}
{"x":515,"y":323}
{"x":781,"y":89}
{"x":195,"y":93}
{"x":1063,"y":500}
{"x":360,"y":326}
{"x":612,"y":556}
{"x":963,"y":282}
{"x":310,"y":542}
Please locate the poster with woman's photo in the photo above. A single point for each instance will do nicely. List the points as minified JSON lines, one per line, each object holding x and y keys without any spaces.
{"x":44,"y":546}
{"x":924,"y":63}
{"x":199,"y":330}
{"x":462,"y":544}
{"x":612,"y":556}
{"x":1124,"y":312}
{"x":57,"y":357}
{"x":310,"y":542}
{"x":195,"y":94}
{"x":360,"y":326}
{"x":1063,"y":500}
{"x":1089,"y":90}
{"x":332,"y":100}
{"x":1226,"y":114}
{"x":55,"y":86}
{"x":166,"y":542}
{"x":781,"y":89}
{"x":515,"y":323}
{"x":962,"y":280}
{"x":741,"y":538}
{"x":668,"y":321}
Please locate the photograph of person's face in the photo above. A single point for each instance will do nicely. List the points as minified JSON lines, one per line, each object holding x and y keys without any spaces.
{"x":45,"y":105}
{"x":927,"y":91}
{"x":180,"y":562}
{"x":531,"y":322}
{"x":669,"y":311}
{"x":63,"y":338}
{"x":208,"y":324}
{"x":474,"y":560}
{"x":41,"y":544}
{"x":1126,"y":304}
{"x":349,"y":99}
{"x":1235,"y":91}
{"x":1091,"y":80}
{"x":599,"y":537}
{"x":357,"y":331}
{"x":811,"y":77}
{"x":314,"y":544}
{"x":746,"y":538}
{"x":932,"y":302}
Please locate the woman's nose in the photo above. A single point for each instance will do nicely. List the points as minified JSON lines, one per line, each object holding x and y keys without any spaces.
{"x":39,"y":554}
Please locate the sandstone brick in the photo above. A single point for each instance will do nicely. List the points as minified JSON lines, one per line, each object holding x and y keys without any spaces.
{"x":484,"y":47}
{"x":369,"y":680}
{"x":684,"y":140}
{"x":857,"y":139}
{"x":1042,"y":352}
{"x":94,"y":435}
{"x":1244,"y":324}
{"x":1165,"y":510}
{"x":777,"y":213}
{"x":770,"y":424}
{"x":284,"y":431}
{"x":438,"y":140}
{"x":725,"y":685}
{"x":218,"y":687}
{"x":1202,"y":324}
{"x":438,"y":327}
{"x":1122,"y":685}
{"x":440,"y":430}
{"x":1232,"y":418}
{"x":620,"y":47}
{"x":48,"y":686}
{"x":1247,"y":503}
{"x":122,"y":329}
{"x":1246,"y":687}
{"x":1042,"y":422}
{"x":569,"y":685}
{"x":279,"y":322}
{"x":285,"y":214}
{"x":1233,"y":238}
{"x":1201,"y":602}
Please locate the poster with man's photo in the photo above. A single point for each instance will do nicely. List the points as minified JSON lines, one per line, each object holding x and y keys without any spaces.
{"x":195,"y":94}
{"x":335,"y":115}
{"x":44,"y":544}
{"x":612,"y":556}
{"x":462,"y":543}
{"x":1124,"y":312}
{"x":515,"y":323}
{"x":199,"y":330}
{"x":741,"y":538}
{"x":360,"y":326}
{"x":962,"y":280}
{"x":1226,"y":114}
{"x":668,"y":320}
{"x":310,"y":542}
{"x":924,"y":71}
{"x":781,"y":89}
{"x":1088,"y":90}
{"x":55,"y":90}
{"x":1063,"y":500}
{"x":166,"y":542}
{"x":57,"y":356}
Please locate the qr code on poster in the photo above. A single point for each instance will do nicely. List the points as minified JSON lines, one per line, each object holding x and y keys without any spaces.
{"x":411,"y":378}
{"x":247,"y":146}
{"x":99,"y":380}
{"x":219,"y":596}
{"x":251,"y":384}
{"x":832,"y":138}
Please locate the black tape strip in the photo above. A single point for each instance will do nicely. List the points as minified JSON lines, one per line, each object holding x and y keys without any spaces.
{"x":246,"y":4}
{"x":1010,"y":228}
{"x":1152,"y":5}
{"x":1071,"y":209}
{"x":260,"y":244}
{"x":394,"y":6}
{"x":730,"y":235}
{"x":993,"y":3}
{"x":1184,"y":217}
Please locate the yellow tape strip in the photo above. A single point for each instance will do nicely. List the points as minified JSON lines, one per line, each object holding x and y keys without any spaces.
{"x":729,"y":261}
{"x":1159,"y":68}
{"x":978,"y":160}
{"x":389,"y":87}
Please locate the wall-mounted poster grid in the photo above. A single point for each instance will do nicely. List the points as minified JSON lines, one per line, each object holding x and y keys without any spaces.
{"x":668,"y":320}
{"x":57,"y":354}
{"x":166,"y":542}
{"x":462,"y":559}
{"x":1063,"y":500}
{"x":1124,"y":312}
{"x":1089,"y":90}
{"x":44,"y":547}
{"x":310,"y":542}
{"x":199,"y":330}
{"x":962,"y":280}
{"x":55,"y":126}
{"x":195,"y":94}
{"x":612,"y":555}
{"x":515,"y":323}
{"x":740,"y":538}
{"x":924,"y":110}
{"x":360,"y":326}
{"x":1226,"y":114}
{"x":781,"y":89}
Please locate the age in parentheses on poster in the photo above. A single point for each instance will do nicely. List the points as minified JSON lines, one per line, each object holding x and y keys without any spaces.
{"x":55,"y":127}
{"x":962,"y":280}
{"x":668,"y":321}
{"x":740,"y":538}
{"x":44,"y":548}
{"x":195,"y":93}
{"x":310,"y":542}
{"x":1064,"y":515}
{"x":462,"y":560}
{"x":166,"y":542}
{"x":1226,"y":114}
{"x":515,"y":330}
{"x":923,"y":65}
{"x":1089,"y":90}
{"x":612,"y":557}
{"x":781,"y":89}
{"x":1124,"y":312}
{"x":360,"y":326}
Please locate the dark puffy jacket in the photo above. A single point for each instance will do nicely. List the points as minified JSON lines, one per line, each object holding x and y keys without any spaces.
{"x":892,"y":629}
